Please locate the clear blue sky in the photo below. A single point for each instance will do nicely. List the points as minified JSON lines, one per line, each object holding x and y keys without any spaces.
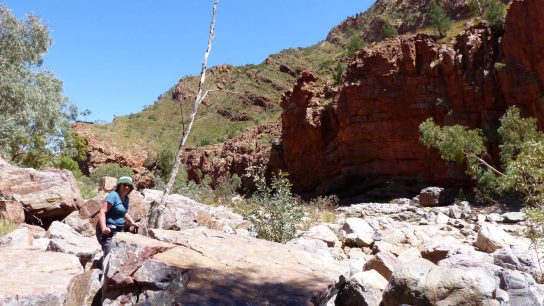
{"x":115,"y":56}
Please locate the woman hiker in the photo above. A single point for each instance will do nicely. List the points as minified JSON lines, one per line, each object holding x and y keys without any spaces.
{"x":113,"y":214}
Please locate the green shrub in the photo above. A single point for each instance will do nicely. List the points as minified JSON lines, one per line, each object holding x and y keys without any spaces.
{"x":6,"y":226}
{"x":113,"y":170}
{"x":338,"y":73}
{"x":439,"y":19}
{"x":65,"y":162}
{"x":276,"y":211}
{"x":165,"y":162}
{"x":388,"y":30}
{"x":521,"y":170}
{"x":355,"y":43}
{"x":204,"y":142}
{"x":494,"y":14}
{"x":87,"y":187}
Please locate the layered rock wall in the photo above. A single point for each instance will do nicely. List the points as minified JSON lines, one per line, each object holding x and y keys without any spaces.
{"x":371,"y":128}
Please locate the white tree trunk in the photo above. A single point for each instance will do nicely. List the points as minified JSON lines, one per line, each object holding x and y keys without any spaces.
{"x":155,"y":215}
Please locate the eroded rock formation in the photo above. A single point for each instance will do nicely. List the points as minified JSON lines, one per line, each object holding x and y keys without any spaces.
{"x":371,"y":129}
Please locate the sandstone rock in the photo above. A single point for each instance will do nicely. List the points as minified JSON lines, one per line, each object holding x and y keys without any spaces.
{"x":65,"y":239}
{"x":137,"y":207}
{"x":420,"y":282}
{"x":46,"y":194}
{"x":184,"y":213}
{"x":314,"y":246}
{"x":364,"y":288}
{"x":408,"y":255}
{"x":19,"y":238}
{"x":513,"y":217}
{"x":12,"y":211}
{"x":384,"y":262}
{"x":435,"y":196}
{"x":80,"y":225}
{"x":83,"y":289}
{"x":493,"y":217}
{"x":521,"y":288}
{"x":359,"y":239}
{"x":322,"y":232}
{"x":108,"y":184}
{"x":442,"y":218}
{"x":33,"y":277}
{"x":256,"y":271}
{"x":357,"y":225}
{"x":91,"y":207}
{"x":436,"y":250}
{"x":491,"y":238}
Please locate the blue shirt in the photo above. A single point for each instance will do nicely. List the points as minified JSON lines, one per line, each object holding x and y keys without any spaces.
{"x":116,"y":214}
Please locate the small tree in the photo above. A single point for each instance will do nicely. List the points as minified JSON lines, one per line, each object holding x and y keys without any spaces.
{"x":389,"y":30}
{"x":439,"y":19}
{"x":494,"y":13}
{"x":276,"y":211}
{"x":338,"y":73}
{"x":87,"y":112}
{"x":31,"y":98}
{"x":522,"y":161}
{"x":355,"y":43}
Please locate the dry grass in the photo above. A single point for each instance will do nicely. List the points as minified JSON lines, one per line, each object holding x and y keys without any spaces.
{"x":6,"y":226}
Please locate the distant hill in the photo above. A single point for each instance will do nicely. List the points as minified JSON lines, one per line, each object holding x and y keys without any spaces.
{"x":255,"y":90}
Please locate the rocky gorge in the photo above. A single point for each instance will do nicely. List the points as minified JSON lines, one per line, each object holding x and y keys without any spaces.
{"x":419,"y":251}
{"x":364,"y":132}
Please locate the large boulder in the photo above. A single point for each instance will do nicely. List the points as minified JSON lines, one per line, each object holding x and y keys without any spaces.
{"x":208,"y":267}
{"x":12,"y":211}
{"x":184,"y":213}
{"x":33,"y":277}
{"x":83,"y":289}
{"x":491,"y":238}
{"x":65,"y":239}
{"x":363,"y":288}
{"x":51,"y":194}
{"x":421,"y":282}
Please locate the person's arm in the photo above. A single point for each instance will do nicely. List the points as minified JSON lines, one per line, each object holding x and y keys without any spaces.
{"x":130,"y":220}
{"x":102,"y":218}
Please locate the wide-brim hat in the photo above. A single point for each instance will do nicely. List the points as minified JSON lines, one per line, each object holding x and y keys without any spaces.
{"x":125,"y":180}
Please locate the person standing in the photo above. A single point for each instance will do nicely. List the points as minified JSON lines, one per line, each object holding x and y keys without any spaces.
{"x":114,"y":213}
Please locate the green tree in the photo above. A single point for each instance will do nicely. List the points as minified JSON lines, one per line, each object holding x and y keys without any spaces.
{"x":439,"y":19}
{"x":388,"y":30}
{"x":31,"y":99}
{"x":494,"y":13}
{"x":492,"y":10}
{"x":355,"y":43}
{"x":338,"y":73}
{"x":521,"y":170}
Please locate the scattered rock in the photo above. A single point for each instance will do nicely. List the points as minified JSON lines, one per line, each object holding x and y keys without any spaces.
{"x":65,"y":239}
{"x":383,"y":262}
{"x":513,"y":217}
{"x":491,"y":238}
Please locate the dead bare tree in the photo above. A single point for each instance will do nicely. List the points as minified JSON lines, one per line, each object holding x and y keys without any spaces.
{"x":156,"y":212}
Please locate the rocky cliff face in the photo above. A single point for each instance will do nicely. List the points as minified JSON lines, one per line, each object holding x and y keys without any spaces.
{"x":404,"y":15}
{"x":371,"y":128}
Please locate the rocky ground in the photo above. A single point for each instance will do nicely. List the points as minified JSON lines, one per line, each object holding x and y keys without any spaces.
{"x":411,"y":251}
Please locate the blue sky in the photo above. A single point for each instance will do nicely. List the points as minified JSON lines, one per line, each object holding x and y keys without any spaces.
{"x":114,"y":57}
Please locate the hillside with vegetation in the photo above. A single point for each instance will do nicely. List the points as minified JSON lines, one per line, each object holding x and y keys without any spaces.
{"x":245,"y":96}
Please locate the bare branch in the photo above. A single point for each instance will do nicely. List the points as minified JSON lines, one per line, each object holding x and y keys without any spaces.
{"x":155,"y":215}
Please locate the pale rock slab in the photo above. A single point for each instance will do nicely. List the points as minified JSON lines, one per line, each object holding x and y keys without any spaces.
{"x":35,"y":277}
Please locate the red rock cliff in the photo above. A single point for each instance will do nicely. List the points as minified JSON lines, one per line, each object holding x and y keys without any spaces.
{"x":371,"y":129}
